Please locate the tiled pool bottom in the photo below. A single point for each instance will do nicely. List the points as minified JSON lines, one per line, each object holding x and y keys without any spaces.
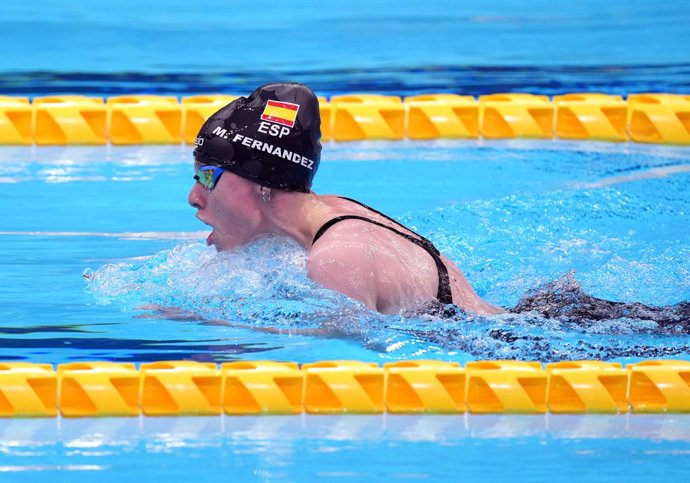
{"x":348,"y":448}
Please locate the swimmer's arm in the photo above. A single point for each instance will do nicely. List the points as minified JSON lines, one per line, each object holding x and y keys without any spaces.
{"x":347,"y":268}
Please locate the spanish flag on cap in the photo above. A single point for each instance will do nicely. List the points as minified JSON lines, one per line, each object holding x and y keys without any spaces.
{"x":279,"y":112}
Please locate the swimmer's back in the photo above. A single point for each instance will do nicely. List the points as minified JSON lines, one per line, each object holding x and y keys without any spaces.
{"x":386,"y":270}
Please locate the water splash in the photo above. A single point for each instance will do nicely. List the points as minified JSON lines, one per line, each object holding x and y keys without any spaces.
{"x":264,"y":287}
{"x":516,"y":249}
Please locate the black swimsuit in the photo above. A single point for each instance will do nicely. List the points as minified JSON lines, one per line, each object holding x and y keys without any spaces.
{"x":444,"y":295}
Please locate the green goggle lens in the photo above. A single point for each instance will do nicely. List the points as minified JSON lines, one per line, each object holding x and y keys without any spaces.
{"x":208,"y":176}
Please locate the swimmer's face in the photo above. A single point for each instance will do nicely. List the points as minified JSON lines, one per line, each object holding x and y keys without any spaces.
{"x":230,"y":208}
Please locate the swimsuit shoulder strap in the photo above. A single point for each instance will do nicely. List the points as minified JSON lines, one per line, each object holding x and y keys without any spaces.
{"x":444,"y":293}
{"x":421,"y":238}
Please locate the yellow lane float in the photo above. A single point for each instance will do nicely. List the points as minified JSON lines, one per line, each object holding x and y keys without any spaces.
{"x":179,"y":388}
{"x":152,"y":119}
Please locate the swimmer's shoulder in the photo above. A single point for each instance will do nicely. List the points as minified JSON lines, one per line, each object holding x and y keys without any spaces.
{"x":343,"y":262}
{"x":343,"y":244}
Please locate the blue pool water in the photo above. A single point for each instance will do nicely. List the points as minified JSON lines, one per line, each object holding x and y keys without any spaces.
{"x":472,"y":47}
{"x":513,"y":214}
{"x":348,"y":449}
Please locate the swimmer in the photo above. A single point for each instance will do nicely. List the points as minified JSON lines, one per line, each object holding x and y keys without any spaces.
{"x":255,"y":160}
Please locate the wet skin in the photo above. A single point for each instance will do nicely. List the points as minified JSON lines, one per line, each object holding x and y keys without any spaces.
{"x":364,"y":261}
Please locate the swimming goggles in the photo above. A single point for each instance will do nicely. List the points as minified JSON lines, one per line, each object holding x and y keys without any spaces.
{"x":208,"y":176}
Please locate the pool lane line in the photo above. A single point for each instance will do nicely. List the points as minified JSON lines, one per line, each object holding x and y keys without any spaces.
{"x":252,"y":387}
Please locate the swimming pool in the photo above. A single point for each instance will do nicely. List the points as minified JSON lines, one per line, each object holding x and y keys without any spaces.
{"x":513,"y":214}
{"x":348,"y":448}
{"x":385,"y":46}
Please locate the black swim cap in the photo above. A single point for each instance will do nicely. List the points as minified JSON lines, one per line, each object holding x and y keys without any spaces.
{"x":272,"y":137}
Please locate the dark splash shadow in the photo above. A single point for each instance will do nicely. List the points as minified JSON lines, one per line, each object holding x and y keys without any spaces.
{"x":555,"y":322}
{"x":564,"y":300}
{"x":515,"y":343}
{"x":56,"y":329}
{"x":130,"y":350}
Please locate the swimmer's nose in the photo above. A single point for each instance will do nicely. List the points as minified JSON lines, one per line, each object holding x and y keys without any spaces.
{"x":197,"y":196}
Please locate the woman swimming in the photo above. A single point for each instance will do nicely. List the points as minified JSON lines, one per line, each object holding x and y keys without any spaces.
{"x":255,"y":160}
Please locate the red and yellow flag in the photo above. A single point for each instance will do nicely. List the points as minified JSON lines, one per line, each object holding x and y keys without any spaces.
{"x":283,"y":113}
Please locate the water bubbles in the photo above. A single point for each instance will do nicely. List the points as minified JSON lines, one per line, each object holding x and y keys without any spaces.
{"x":517,"y":248}
{"x":264,"y":287}
{"x":262,"y":284}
